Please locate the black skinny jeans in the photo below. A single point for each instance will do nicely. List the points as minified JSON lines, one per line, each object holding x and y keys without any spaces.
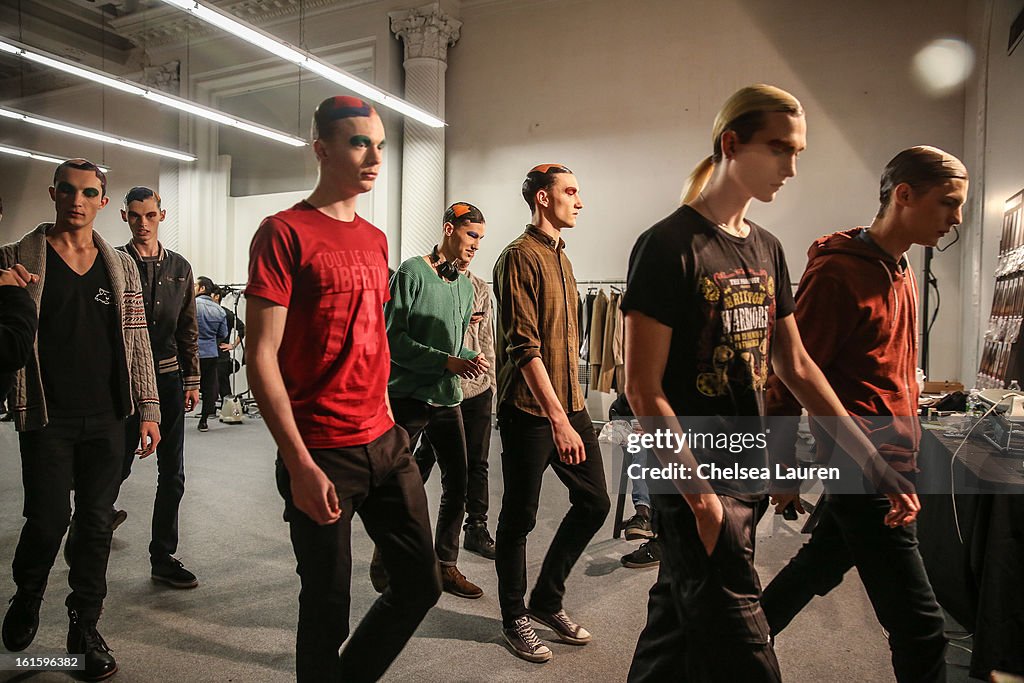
{"x":379,"y":481}
{"x":528,"y":449}
{"x":851,"y":533}
{"x":704,"y":618}
{"x":170,"y":463}
{"x":476,"y":419}
{"x":84,"y":454}
{"x":443,"y":426}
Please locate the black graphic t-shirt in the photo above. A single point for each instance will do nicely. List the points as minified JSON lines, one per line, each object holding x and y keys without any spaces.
{"x":78,"y":318}
{"x":721,"y":295}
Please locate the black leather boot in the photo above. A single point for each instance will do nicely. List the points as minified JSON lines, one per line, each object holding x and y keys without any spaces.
{"x":21,"y":622}
{"x":477,"y":540}
{"x":84,"y":639}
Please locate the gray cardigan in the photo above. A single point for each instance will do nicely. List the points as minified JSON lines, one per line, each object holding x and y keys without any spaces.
{"x":480,"y":338}
{"x":29,"y":403}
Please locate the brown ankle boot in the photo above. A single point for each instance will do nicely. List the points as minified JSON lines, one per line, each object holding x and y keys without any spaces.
{"x":458,"y":585}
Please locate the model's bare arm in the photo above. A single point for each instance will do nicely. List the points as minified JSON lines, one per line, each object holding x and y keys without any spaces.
{"x":647,"y":348}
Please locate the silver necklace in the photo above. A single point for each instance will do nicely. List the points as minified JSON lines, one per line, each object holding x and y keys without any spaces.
{"x":714,"y":218}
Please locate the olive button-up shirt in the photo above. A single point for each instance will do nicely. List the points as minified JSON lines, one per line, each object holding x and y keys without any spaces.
{"x":537,"y":313}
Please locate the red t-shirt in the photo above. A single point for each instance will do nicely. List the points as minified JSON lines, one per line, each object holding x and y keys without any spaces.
{"x":333,"y":278}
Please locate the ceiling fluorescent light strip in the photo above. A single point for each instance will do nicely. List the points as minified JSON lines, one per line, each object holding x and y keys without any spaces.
{"x":93,"y":134}
{"x":39,"y":156}
{"x":278,"y":48}
{"x":132,"y":88}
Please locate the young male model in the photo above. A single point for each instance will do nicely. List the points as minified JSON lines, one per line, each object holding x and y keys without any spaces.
{"x":541,"y":416}
{"x":318,"y":366}
{"x":857,"y":313}
{"x":92,"y":368}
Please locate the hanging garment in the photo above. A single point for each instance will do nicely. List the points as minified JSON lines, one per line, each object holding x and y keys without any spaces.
{"x":587,"y":312}
{"x":611,"y":318}
{"x":597,"y":335}
{"x":619,"y":350}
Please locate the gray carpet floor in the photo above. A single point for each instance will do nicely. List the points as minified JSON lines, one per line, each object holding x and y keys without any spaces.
{"x":239,"y":624}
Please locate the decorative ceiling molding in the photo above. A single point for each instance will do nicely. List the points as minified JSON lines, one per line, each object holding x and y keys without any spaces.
{"x":484,"y":7}
{"x":165,"y":77}
{"x":166,"y":26}
{"x":425,"y":31}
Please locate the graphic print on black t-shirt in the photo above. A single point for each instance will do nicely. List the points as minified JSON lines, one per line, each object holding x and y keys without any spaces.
{"x":721,"y":295}
{"x":733,"y":346}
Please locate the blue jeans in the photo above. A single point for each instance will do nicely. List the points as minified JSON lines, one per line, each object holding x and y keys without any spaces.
{"x":641,"y":493}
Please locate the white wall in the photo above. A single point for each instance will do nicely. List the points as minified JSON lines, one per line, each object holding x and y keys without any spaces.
{"x":625,"y":95}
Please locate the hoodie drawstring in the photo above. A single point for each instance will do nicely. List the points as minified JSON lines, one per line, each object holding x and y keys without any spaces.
{"x":892,"y":289}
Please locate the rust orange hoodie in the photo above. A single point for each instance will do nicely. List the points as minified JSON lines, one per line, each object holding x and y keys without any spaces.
{"x":856,"y":308}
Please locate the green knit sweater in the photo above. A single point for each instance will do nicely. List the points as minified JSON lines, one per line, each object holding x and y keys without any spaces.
{"x":427,"y":318}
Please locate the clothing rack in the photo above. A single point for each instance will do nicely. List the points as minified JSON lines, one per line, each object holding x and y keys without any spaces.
{"x":584,"y":289}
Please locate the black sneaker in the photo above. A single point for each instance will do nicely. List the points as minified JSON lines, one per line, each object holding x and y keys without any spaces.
{"x":203,"y":427}
{"x":174,"y":574}
{"x":479,"y":541}
{"x":638,"y":526}
{"x":524,"y":641}
{"x":21,"y":622}
{"x":85,"y":640}
{"x":567,"y":630}
{"x":647,"y":555}
{"x":119,"y":517}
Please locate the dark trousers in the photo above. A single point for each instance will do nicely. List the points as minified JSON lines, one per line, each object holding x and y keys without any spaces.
{"x":443,"y":426}
{"x":851,"y":533}
{"x":224,"y":367}
{"x":84,"y":454}
{"x":476,"y":419}
{"x":209,"y":386}
{"x":381,"y":482}
{"x":704,"y":617}
{"x":527,"y":451}
{"x":170,"y":463}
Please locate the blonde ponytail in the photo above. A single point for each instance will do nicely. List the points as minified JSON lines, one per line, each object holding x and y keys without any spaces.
{"x":699,"y":177}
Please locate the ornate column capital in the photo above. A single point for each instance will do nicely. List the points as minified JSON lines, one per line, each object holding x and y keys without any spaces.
{"x":425,"y":31}
{"x":164,"y":77}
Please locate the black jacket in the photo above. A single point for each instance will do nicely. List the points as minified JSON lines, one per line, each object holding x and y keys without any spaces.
{"x":169,"y":296}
